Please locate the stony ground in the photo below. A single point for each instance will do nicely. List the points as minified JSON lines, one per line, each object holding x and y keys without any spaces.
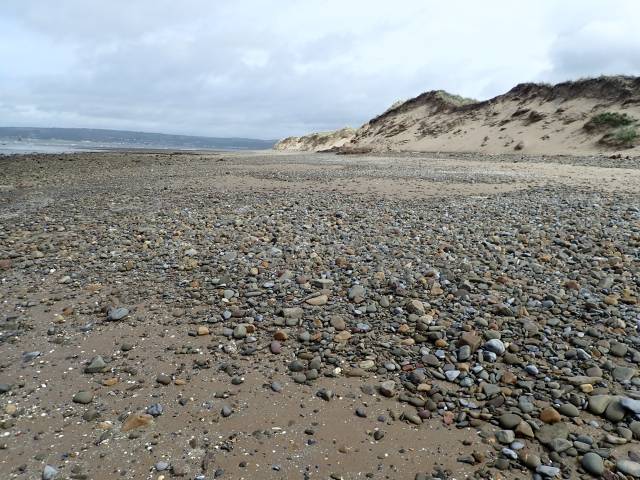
{"x":286,"y":316}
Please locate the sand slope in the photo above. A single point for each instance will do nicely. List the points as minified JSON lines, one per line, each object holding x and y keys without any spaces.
{"x":317,"y":142}
{"x":530,"y":118}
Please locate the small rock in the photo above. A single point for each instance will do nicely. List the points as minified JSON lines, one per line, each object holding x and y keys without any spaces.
{"x":325,"y":394}
{"x":496,"y":346}
{"x":239,"y":332}
{"x":96,"y":365}
{"x":135,"y":421}
{"x":387,"y":388}
{"x":505,"y":436}
{"x":317,"y":301}
{"x":155,"y":409}
{"x":83,"y":397}
{"x":628,"y":467}
{"x":49,"y":472}
{"x":275,"y":347}
{"x":593,"y":464}
{"x":550,"y":415}
{"x":116,"y":314}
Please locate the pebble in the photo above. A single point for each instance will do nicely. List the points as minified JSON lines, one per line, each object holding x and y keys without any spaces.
{"x":117,"y":313}
{"x":628,"y":467}
{"x":97,"y":364}
{"x":509,"y":421}
{"x":387,"y":388}
{"x":155,"y":410}
{"x":534,"y":320}
{"x":135,"y":421}
{"x":505,"y":436}
{"x":548,"y":471}
{"x":495,"y":346}
{"x":275,"y":347}
{"x":239,"y":332}
{"x":593,"y":464}
{"x":49,"y":472}
{"x":550,"y":415}
{"x":325,"y":394}
{"x":83,"y":397}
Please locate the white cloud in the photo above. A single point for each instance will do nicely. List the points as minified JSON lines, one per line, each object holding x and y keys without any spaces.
{"x":274,"y":68}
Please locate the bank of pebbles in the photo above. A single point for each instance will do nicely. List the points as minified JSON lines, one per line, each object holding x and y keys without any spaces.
{"x":514,"y":314}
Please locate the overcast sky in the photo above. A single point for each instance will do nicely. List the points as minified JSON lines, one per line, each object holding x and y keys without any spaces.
{"x":269,"y":69}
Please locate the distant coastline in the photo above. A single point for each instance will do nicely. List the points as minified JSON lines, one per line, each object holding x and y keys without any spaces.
{"x":22,"y":140}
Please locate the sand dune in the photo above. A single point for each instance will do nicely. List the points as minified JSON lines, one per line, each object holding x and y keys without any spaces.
{"x":590,"y":116}
{"x":317,"y":142}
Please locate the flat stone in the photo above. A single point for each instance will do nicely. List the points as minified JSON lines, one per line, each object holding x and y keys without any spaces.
{"x":49,"y":472}
{"x":547,"y":433}
{"x":548,"y":471}
{"x":560,"y":445}
{"x":387,"y":388}
{"x":338,"y":323}
{"x":136,"y":420}
{"x":452,"y":374}
{"x":471,"y":339}
{"x":356,"y":293}
{"x":505,"y":436}
{"x":496,"y":346}
{"x":161,"y":466}
{"x":317,"y":301}
{"x":569,"y":410}
{"x":593,"y":464}
{"x":623,"y":374}
{"x":628,"y":467}
{"x":325,"y":394}
{"x":615,"y":412}
{"x":491,"y":389}
{"x":240,"y":332}
{"x":415,"y":306}
{"x":292,"y":313}
{"x":598,"y":403}
{"x":83,"y":397}
{"x":116,"y":314}
{"x":509,"y":421}
{"x":529,"y":459}
{"x":96,"y":365}
{"x":582,"y":380}
{"x":342,"y":336}
{"x":631,"y":405}
{"x":550,"y":415}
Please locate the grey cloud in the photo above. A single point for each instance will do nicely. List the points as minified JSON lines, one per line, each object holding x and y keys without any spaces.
{"x":274,"y":68}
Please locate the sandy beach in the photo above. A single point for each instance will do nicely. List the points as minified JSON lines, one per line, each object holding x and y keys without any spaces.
{"x":285,"y":315}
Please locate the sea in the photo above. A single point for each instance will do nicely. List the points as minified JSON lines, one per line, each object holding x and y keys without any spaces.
{"x":28,"y":146}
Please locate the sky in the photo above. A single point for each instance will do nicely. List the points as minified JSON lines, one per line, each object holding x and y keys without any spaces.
{"x":273,"y":68}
